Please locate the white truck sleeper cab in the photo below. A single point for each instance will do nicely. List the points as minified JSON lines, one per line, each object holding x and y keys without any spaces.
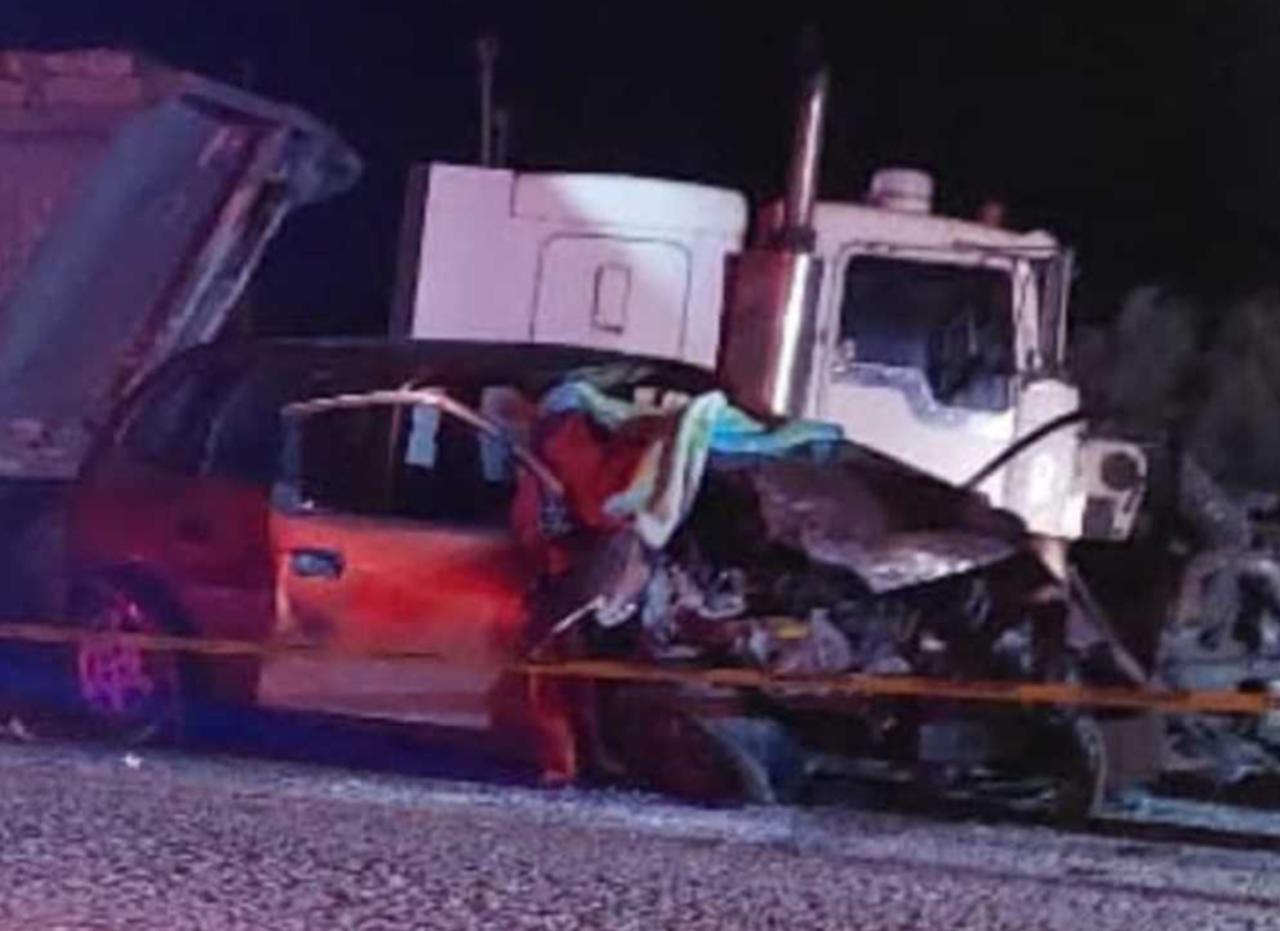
{"x":611,"y":262}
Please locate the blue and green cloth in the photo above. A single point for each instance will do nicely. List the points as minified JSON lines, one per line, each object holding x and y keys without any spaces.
{"x":667,"y":481}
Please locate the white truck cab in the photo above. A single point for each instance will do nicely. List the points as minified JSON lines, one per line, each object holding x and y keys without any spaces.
{"x":937,"y":341}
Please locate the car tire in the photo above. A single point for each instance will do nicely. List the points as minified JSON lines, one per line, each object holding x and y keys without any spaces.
{"x":669,"y":748}
{"x":121,"y":692}
{"x":1082,"y":776}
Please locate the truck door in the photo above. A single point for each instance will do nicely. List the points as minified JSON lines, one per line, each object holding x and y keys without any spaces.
{"x":613,"y":293}
{"x":391,"y":533}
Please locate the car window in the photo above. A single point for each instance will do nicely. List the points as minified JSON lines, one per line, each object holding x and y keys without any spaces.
{"x":414,"y":462}
{"x":343,"y":459}
{"x":171,"y":423}
{"x":469,"y":478}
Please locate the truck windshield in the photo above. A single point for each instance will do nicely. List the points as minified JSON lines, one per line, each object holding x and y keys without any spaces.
{"x":953,"y":323}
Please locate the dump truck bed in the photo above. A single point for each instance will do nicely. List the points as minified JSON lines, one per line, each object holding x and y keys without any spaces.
{"x":135,"y":201}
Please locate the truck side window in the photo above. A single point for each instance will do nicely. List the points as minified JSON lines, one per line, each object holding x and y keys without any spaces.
{"x":952,"y":323}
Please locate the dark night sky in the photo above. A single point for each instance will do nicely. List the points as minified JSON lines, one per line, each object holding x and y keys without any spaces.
{"x":1147,"y":133}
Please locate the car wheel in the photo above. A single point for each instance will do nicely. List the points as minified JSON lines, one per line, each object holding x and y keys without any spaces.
{"x":1082,"y":776}
{"x":667,"y":747}
{"x":121,"y":691}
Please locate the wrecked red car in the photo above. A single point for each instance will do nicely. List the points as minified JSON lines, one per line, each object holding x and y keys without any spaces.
{"x":406,"y":527}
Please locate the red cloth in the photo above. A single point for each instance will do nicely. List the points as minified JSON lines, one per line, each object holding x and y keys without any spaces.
{"x":592,"y":463}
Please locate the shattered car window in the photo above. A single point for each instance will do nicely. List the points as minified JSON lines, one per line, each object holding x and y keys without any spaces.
{"x":954,"y":323}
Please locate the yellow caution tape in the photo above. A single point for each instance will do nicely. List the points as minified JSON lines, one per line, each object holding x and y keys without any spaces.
{"x":837,"y":686}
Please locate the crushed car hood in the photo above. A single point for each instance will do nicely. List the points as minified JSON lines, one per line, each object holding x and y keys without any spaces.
{"x":891,"y":526}
{"x":137,"y":201}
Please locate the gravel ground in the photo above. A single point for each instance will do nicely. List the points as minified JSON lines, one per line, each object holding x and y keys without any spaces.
{"x":92,"y":839}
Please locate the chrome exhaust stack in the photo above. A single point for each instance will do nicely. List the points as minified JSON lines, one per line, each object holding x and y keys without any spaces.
{"x":769,"y":324}
{"x":806,"y":159}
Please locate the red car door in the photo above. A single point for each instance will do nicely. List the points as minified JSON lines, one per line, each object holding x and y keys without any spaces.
{"x":393,"y":535}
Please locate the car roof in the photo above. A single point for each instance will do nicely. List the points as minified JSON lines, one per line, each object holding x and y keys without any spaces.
{"x":391,"y":363}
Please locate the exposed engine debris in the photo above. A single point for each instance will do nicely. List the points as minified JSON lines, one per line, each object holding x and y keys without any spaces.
{"x":819,"y":558}
{"x":836,"y":514}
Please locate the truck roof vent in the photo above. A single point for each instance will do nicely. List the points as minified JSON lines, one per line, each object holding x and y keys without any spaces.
{"x":904,"y":189}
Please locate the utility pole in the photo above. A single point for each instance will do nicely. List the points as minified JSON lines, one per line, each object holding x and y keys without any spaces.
{"x":487,"y":54}
{"x":501,"y":136}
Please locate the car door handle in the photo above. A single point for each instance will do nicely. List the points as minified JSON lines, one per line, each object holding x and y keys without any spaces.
{"x":311,"y":563}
